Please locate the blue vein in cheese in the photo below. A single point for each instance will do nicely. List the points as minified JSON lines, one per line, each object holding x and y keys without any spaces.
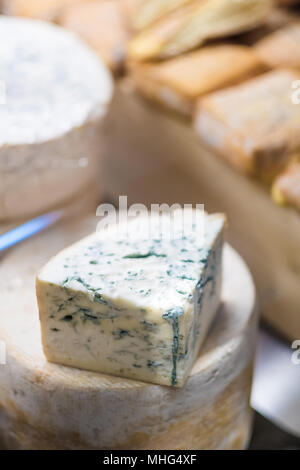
{"x":172,"y":316}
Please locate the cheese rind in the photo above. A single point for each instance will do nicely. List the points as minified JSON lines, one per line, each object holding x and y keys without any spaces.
{"x":138,"y":309}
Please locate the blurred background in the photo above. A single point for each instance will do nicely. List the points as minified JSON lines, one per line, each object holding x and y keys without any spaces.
{"x":201,"y":105}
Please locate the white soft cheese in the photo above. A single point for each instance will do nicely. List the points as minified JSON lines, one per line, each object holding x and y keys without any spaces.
{"x":53,"y":94}
{"x":133,"y":308}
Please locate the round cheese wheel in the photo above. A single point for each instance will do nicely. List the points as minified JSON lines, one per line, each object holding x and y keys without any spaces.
{"x":48,"y":406}
{"x":54,"y":93}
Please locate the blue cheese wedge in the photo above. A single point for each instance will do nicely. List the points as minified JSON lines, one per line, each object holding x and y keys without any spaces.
{"x":132,"y":308}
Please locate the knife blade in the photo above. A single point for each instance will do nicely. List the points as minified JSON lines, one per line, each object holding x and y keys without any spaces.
{"x":276,"y":385}
{"x":28,"y":229}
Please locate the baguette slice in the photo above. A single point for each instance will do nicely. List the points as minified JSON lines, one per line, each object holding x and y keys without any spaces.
{"x":286,"y":188}
{"x":194,"y":24}
{"x":254,"y":126}
{"x":178,"y":82}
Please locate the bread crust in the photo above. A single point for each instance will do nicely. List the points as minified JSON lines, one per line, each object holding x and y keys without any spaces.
{"x":178,"y":82}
